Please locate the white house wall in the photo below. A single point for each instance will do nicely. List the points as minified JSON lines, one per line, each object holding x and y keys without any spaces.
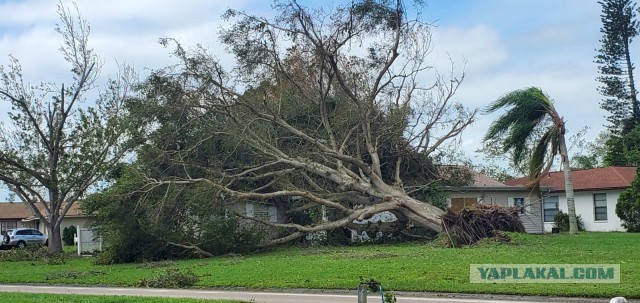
{"x":83,"y":222}
{"x":585,"y":208}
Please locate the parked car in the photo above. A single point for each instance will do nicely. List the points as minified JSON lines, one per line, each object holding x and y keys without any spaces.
{"x":21,"y":237}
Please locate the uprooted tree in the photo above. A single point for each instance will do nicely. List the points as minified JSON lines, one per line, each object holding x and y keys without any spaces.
{"x":326,"y":108}
{"x":58,"y":145}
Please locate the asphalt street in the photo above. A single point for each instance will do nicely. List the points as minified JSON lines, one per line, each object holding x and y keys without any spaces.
{"x":259,"y":297}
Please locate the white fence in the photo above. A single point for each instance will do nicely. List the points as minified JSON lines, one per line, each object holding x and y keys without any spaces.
{"x":86,"y":241}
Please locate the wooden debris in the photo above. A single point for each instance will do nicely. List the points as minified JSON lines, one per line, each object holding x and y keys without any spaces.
{"x":480,"y":221}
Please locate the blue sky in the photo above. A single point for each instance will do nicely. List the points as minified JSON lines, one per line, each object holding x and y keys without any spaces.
{"x":506,"y":44}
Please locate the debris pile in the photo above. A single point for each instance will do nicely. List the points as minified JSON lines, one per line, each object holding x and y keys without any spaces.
{"x":481,"y":221}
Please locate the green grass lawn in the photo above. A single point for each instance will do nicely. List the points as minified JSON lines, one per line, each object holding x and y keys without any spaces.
{"x":402,"y":267}
{"x":53,"y":298}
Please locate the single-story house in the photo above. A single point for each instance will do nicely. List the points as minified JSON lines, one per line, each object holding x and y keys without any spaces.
{"x":596,"y":193}
{"x":19,"y":214}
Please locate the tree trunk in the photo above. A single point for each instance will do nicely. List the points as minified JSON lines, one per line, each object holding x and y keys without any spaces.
{"x":568,"y":187}
{"x":55,"y":238}
{"x":421,"y":214}
{"x":632,"y":86}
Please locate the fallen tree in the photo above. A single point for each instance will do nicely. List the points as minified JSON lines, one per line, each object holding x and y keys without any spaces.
{"x":325,"y":109}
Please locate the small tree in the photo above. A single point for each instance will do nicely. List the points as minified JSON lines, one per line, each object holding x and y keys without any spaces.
{"x":628,"y":206}
{"x":58,"y":146}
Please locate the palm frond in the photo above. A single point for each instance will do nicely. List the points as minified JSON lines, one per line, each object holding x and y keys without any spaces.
{"x":527,"y":110}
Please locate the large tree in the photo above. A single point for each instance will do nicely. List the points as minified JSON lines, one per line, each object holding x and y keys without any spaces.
{"x":619,"y":27}
{"x":530,"y":111}
{"x":615,"y":65}
{"x":325,"y":105}
{"x":59,"y":145}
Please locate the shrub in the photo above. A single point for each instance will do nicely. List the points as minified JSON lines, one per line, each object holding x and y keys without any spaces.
{"x":68,"y":233}
{"x":170,"y":278}
{"x":561,"y":220}
{"x":628,"y":206}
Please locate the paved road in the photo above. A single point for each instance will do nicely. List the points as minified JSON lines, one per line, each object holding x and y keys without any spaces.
{"x":259,"y":297}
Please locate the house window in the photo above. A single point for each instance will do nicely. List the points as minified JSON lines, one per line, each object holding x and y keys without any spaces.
{"x":261,"y":211}
{"x":600,"y":206}
{"x":6,"y":225}
{"x":519,"y":204}
{"x":550,"y":205}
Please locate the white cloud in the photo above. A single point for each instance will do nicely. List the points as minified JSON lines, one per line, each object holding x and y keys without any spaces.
{"x":495,"y":66}
{"x":480,"y":46}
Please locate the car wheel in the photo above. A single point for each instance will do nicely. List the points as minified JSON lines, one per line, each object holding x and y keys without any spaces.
{"x":46,"y":243}
{"x":21,"y":244}
{"x":6,"y":239}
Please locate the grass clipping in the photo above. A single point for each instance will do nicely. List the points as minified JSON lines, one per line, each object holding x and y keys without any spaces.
{"x":481,"y":221}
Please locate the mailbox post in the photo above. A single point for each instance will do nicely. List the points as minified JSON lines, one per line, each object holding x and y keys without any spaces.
{"x":362,"y":293}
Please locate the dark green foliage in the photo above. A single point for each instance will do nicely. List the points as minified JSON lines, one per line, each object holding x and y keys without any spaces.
{"x":157,"y":225}
{"x":561,"y":220}
{"x":628,"y":206}
{"x":619,"y":27}
{"x":170,"y":278}
{"x":623,"y":150}
{"x":584,"y":162}
{"x":68,"y":233}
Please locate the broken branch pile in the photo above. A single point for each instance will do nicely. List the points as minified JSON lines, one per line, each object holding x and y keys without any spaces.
{"x":480,"y":221}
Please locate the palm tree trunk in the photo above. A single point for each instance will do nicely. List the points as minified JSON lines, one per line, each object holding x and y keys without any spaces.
{"x":568,"y":186}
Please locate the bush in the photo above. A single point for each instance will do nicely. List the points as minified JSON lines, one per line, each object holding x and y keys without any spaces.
{"x":68,"y":233}
{"x":628,"y":206}
{"x":171,"y":278}
{"x":561,"y":220}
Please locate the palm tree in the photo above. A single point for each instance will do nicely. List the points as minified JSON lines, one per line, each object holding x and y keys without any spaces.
{"x":531,"y":117}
